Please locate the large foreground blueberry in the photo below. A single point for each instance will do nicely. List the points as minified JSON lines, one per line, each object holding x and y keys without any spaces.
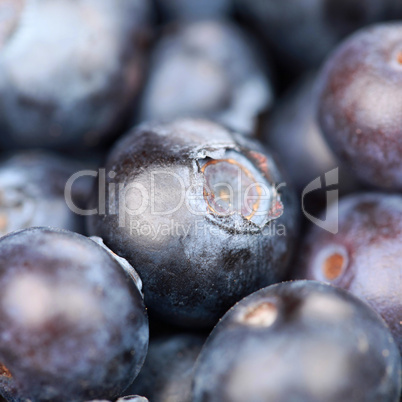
{"x":73,"y":324}
{"x":299,"y":341}
{"x":195,"y":208}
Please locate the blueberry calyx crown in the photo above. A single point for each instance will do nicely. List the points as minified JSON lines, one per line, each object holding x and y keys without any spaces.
{"x":236,"y":187}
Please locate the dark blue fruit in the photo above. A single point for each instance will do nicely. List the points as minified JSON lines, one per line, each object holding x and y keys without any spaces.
{"x":167,"y":373}
{"x":299,"y":341}
{"x":69,"y":70}
{"x":195,"y":208}
{"x":360,"y":105}
{"x":207,"y":69}
{"x":365,"y":256}
{"x":32,"y":192}
{"x":73,"y":325}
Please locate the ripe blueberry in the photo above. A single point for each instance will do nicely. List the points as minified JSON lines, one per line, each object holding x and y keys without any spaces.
{"x":195,"y":208}
{"x":299,"y":341}
{"x":360,"y":104}
{"x":73,"y":325}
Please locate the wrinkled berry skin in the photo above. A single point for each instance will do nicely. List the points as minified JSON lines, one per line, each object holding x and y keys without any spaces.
{"x":69,"y":70}
{"x":32,"y":187}
{"x":316,"y":25}
{"x":167,"y":373}
{"x":73,"y":325}
{"x":196,"y":253}
{"x":299,"y":341}
{"x":207,"y":69}
{"x":360,"y":106}
{"x":189,"y":10}
{"x":364,"y":256}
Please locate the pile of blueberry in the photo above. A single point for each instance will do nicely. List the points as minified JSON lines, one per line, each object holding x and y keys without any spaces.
{"x":200,"y":200}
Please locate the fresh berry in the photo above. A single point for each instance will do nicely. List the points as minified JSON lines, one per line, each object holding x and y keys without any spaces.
{"x":360,"y":104}
{"x":73,"y":325}
{"x":299,"y":341}
{"x":195,"y":208}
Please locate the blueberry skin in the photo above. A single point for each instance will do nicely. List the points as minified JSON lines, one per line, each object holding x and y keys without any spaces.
{"x":359,"y":107}
{"x":189,"y":10}
{"x":316,"y":25}
{"x":94,"y":52}
{"x":167,"y":373}
{"x":73,"y":325}
{"x":195,"y":262}
{"x":365,"y":256}
{"x":32,"y":185}
{"x":208,"y":68}
{"x":299,"y":341}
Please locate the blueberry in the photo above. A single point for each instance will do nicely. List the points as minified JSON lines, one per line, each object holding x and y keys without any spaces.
{"x":69,"y":70}
{"x":299,"y":341}
{"x":32,"y":185}
{"x":73,"y":325}
{"x":207,"y":69}
{"x":360,"y":109}
{"x":185,"y":10}
{"x":195,"y":208}
{"x":365,"y":256}
{"x":303,"y":32}
{"x":167,"y":373}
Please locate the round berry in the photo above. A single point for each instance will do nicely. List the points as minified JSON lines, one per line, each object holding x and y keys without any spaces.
{"x":299,"y":341}
{"x":73,"y":325}
{"x":360,"y":104}
{"x":197,"y":210}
